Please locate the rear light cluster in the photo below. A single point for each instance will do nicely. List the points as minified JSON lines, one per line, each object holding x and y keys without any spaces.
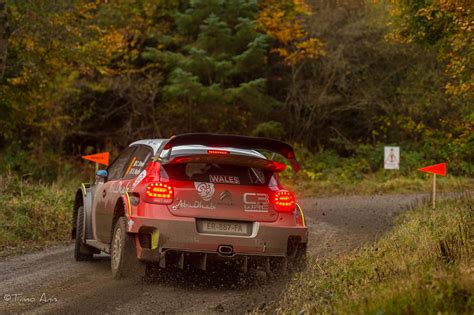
{"x":159,"y":193}
{"x":284,"y":201}
{"x":222,"y":152}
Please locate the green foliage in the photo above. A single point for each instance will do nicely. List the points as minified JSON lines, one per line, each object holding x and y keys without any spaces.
{"x":102,"y":74}
{"x":45,"y":166}
{"x":446,"y":25}
{"x":422,"y":266}
{"x":269,"y":129}
{"x":219,"y":69}
{"x":327,"y":173}
{"x":368,"y":160}
{"x":33,"y":214}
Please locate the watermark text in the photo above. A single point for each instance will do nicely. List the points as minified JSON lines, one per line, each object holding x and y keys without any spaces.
{"x":22,"y":298}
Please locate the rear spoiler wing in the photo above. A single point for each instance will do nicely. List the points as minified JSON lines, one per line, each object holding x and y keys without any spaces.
{"x":239,"y":142}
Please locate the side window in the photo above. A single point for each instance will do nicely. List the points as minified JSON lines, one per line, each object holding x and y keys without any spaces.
{"x":137,"y":162}
{"x":116,"y":168}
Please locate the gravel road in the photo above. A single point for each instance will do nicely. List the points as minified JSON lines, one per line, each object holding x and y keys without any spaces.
{"x":50,"y":281}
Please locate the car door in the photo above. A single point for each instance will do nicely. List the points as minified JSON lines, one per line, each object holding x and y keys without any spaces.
{"x":107,"y":195}
{"x":134,"y":165}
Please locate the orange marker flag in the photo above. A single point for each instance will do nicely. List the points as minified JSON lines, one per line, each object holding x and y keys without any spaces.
{"x":102,"y":158}
{"x":439,"y":169}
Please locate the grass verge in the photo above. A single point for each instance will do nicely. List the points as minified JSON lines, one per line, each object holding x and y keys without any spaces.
{"x":33,"y":215}
{"x":423,"y":266}
{"x":374,"y":184}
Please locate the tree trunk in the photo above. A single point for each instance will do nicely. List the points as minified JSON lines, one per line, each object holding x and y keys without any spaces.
{"x":3,"y":37}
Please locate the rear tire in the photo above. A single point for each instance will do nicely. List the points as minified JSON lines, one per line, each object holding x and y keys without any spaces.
{"x":124,"y":262}
{"x":82,"y":251}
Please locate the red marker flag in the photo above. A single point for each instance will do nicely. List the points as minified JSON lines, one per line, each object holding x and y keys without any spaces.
{"x":102,"y":158}
{"x":439,"y":169}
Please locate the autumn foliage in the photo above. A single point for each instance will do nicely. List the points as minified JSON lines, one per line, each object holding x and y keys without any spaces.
{"x":283,"y":20}
{"x":448,"y":24}
{"x":330,"y":76}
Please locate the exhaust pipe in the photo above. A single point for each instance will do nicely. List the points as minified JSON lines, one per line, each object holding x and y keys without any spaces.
{"x":225,"y":250}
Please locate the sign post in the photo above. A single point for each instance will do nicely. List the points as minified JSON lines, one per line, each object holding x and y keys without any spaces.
{"x":437,"y":169}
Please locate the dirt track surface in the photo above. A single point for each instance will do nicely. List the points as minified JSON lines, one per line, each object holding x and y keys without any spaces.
{"x":51,"y":281}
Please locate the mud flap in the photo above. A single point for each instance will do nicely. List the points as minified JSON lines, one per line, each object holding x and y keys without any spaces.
{"x":203,"y":262}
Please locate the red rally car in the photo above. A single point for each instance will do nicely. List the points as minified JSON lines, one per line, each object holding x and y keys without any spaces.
{"x":189,"y":200}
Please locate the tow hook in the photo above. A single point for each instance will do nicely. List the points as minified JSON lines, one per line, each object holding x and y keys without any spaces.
{"x":225,"y":250}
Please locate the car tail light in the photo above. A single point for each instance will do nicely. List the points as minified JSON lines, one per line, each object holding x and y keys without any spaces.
{"x":284,"y":201}
{"x":159,"y":193}
{"x":222,"y":152}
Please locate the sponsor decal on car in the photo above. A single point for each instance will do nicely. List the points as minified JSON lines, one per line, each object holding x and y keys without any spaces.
{"x":224,"y":179}
{"x":120,"y":188}
{"x":256,"y":202}
{"x":136,"y":167}
{"x":138,"y":179}
{"x":225,"y":198}
{"x":193,"y":204}
{"x":205,"y":190}
{"x":130,"y":224}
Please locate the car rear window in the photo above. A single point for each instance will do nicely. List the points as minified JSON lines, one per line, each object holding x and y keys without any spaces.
{"x":218,"y":173}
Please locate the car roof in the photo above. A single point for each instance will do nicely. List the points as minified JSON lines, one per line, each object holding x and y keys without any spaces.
{"x":155,"y":144}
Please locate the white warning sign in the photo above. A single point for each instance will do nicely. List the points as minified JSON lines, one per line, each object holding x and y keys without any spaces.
{"x":391,"y":158}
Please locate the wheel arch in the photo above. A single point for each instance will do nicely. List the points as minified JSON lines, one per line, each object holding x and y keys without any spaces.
{"x":119,"y":211}
{"x":80,"y":199}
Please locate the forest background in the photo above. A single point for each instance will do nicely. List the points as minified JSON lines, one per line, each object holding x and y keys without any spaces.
{"x":337,"y":79}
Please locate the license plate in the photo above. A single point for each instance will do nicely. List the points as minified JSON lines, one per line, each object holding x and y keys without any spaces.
{"x":224,"y":227}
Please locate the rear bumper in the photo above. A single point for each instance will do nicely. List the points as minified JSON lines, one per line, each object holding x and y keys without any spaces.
{"x":157,"y":236}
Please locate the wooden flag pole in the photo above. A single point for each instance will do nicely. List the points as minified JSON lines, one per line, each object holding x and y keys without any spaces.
{"x":439,"y":169}
{"x":95,"y":174}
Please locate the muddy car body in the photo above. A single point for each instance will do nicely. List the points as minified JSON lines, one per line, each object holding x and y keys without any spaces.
{"x":189,"y":200}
